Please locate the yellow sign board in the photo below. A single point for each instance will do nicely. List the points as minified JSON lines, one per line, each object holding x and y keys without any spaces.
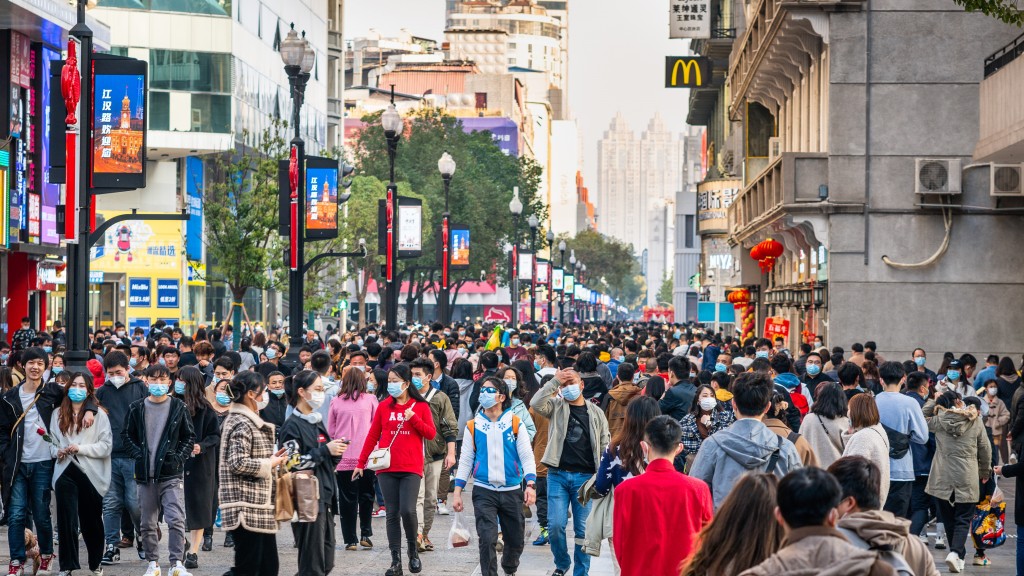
{"x":687,"y":72}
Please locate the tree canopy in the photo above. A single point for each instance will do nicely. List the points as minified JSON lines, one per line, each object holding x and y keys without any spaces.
{"x":1008,"y":11}
{"x":611,"y":265}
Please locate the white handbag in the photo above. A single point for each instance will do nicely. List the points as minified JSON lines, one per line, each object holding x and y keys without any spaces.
{"x":380,"y":458}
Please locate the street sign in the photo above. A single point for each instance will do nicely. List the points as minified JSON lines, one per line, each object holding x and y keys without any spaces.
{"x":687,"y":72}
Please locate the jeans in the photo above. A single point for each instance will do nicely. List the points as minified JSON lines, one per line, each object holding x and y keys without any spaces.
{"x":490,"y":507}
{"x":122,"y":494}
{"x":898,"y":500}
{"x":562,"y":489}
{"x":255,"y":553}
{"x":1020,"y":554}
{"x":30,"y":490}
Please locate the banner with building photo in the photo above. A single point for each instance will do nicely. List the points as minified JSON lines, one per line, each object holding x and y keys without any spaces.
{"x":713,"y":200}
{"x":119,"y":123}
{"x":458,"y":247}
{"x":689,"y":19}
{"x":321,"y":198}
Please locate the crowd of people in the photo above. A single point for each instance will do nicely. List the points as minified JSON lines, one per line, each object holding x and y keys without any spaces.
{"x":660,"y":439}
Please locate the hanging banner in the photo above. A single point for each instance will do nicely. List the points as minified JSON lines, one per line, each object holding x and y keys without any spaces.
{"x":557,"y":279}
{"x":459,"y":247}
{"x":525,"y":265}
{"x":689,"y":19}
{"x":776,"y":326}
{"x":543,"y":268}
{"x":410,"y":227}
{"x":569,"y":285}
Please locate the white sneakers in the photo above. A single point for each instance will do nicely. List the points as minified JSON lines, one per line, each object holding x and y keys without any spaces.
{"x":442,"y":510}
{"x":179,"y":570}
{"x":955,"y":563}
{"x":153,"y":570}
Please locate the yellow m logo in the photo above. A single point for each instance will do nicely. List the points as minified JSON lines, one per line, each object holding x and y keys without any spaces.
{"x":686,"y":66}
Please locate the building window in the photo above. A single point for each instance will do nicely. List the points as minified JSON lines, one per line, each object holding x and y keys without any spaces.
{"x":208,"y":7}
{"x":481,"y":100}
{"x":688,"y":231}
{"x":190,"y":71}
{"x":159,"y":111}
{"x":214,"y":113}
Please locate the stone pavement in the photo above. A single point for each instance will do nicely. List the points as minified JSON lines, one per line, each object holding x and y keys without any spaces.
{"x":536,"y":561}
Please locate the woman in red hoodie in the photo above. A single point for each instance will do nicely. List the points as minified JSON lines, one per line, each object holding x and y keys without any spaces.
{"x":403,"y":423}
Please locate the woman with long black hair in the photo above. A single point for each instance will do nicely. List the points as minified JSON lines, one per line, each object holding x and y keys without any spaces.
{"x":201,"y":468}
{"x":307,"y":432}
{"x":401,"y":424}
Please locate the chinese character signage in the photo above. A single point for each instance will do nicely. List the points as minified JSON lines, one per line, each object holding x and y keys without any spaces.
{"x":321,"y":198}
{"x":713,"y":200}
{"x":458,"y":248}
{"x":167,"y":292}
{"x":119,"y":123}
{"x":140,"y":292}
{"x":689,"y":19}
{"x":775,"y":327}
{"x":687,"y":72}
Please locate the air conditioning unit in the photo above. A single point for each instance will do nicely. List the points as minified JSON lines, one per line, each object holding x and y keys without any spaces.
{"x":940,"y":176}
{"x":1006,"y":180}
{"x":774,"y":148}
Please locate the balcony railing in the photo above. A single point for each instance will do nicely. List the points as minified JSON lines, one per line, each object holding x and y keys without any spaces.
{"x":334,"y":43}
{"x":1004,"y":56}
{"x":789,"y":180}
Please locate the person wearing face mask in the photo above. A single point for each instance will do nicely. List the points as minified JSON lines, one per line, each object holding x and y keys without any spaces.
{"x":920,"y":357}
{"x":319,"y":453}
{"x":274,"y":412}
{"x":159,"y":438}
{"x":350,"y":416}
{"x":116,"y":396}
{"x":578,"y":431}
{"x":514,"y":351}
{"x":517,"y":391}
{"x":217,"y":392}
{"x":621,"y":394}
{"x":774,"y":421}
{"x":440,"y":451}
{"x":496,"y":436}
{"x":544,"y":362}
{"x":402,"y":423}
{"x":813,"y":374}
{"x":706,"y":417}
{"x":201,"y":467}
{"x":997,"y":419}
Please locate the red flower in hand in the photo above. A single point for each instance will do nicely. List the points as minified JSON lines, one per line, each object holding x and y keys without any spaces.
{"x":41,"y":431}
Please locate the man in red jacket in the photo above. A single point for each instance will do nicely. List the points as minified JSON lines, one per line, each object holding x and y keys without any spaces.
{"x":658,"y":514}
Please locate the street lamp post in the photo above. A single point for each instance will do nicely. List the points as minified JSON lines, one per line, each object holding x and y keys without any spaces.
{"x":446,"y":166}
{"x":575,"y":276}
{"x":298,"y":59}
{"x":561,"y":294}
{"x":392,"y":123}
{"x":516,"y":208}
{"x":586,"y":305}
{"x":551,"y":269}
{"x":534,"y":223}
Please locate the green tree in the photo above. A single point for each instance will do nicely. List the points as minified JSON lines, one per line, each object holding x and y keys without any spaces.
{"x":611,"y":266}
{"x":241,"y":209}
{"x":478,"y":197}
{"x":1008,"y":11}
{"x":665,"y":291}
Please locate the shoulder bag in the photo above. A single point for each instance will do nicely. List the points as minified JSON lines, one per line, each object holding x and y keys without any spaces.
{"x":380,"y":458}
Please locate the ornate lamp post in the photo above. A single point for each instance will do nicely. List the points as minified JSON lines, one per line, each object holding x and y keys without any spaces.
{"x":534,"y":223}
{"x":561,"y":295}
{"x":516,"y":208}
{"x":446,"y":166}
{"x":393,"y":125}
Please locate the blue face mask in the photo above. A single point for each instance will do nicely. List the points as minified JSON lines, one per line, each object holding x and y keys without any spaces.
{"x":223,"y":399}
{"x":395,"y":389}
{"x":162,"y":361}
{"x":571,"y":392}
{"x":133,"y":362}
{"x":179,"y":387}
{"x":721,"y":367}
{"x":536,"y":366}
{"x":488,"y":400}
{"x":77,"y":394}
{"x":4,"y":357}
{"x":271,"y":353}
{"x":47,"y":349}
{"x":158,"y":390}
{"x":371,"y":387}
{"x":278,"y":393}
{"x":813,"y":369}
{"x":920,"y":360}
{"x":677,"y":334}
{"x":359,"y":342}
{"x":762,"y":354}
{"x":57,"y":370}
{"x":417,"y":382}
{"x":953,"y":375}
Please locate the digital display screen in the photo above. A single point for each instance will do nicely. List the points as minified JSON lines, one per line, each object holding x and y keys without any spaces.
{"x":458,"y":247}
{"x":119,"y":123}
{"x":321,"y":201}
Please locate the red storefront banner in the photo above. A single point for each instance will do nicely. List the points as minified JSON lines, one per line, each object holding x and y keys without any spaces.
{"x":775,"y":327}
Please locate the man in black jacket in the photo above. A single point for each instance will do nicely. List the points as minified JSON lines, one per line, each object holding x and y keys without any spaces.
{"x":442,"y":381}
{"x":678,"y":398}
{"x":158,"y":436}
{"x":28,"y":468}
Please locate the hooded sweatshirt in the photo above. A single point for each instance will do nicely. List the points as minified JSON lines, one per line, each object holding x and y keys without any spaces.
{"x":820,"y":551}
{"x":963,"y":453}
{"x":882,"y":530}
{"x":800,"y":394}
{"x":745,"y":446}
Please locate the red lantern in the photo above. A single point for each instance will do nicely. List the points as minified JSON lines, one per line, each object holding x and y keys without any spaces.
{"x":768,"y":252}
{"x":755,"y":252}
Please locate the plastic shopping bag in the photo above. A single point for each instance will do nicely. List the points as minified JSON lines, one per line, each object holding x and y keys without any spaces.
{"x":987,"y":526}
{"x":459,"y":536}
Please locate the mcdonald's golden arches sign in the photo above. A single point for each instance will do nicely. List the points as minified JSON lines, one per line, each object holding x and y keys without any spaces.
{"x":687,"y":72}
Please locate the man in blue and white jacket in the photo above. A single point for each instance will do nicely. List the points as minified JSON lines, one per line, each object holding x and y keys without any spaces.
{"x":496,"y":451}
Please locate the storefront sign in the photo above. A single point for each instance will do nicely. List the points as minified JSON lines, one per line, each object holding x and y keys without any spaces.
{"x":775,"y":327}
{"x":713,"y":200}
{"x":687,"y":72}
{"x":167,"y":293}
{"x":140,"y":292}
{"x":689,"y":19}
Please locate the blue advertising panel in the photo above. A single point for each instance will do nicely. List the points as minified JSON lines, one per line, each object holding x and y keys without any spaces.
{"x":194,"y":227}
{"x":134,"y":323}
{"x":504,"y":131}
{"x":140,"y":292}
{"x":167,"y":290}
{"x":706,"y":312}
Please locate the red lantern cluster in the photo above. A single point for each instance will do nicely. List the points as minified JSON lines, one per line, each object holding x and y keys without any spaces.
{"x":740,"y":299}
{"x":766,"y":253}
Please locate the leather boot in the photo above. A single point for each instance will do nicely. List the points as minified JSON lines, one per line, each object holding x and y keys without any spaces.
{"x":396,"y":564}
{"x":415,"y":566}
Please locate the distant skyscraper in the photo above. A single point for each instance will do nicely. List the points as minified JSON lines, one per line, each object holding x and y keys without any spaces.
{"x":618,"y":184}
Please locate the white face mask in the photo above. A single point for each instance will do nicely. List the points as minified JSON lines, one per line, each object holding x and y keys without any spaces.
{"x":316,"y":400}
{"x":708,"y":403}
{"x":117,"y":381}
{"x":264,"y":400}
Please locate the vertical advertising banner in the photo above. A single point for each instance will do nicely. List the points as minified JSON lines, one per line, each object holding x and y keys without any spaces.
{"x":557,"y":278}
{"x":543,"y":266}
{"x":525,"y":265}
{"x":458,"y":247}
{"x":194,"y":182}
{"x":569,"y":285}
{"x":50,"y":192}
{"x":119,"y":123}
{"x":410,"y":227}
{"x":321,"y":198}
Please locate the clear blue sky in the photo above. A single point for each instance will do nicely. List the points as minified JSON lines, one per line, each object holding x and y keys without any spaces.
{"x":616,"y":58}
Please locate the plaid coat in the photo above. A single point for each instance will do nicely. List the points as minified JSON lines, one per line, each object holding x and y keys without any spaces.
{"x":247,"y":483}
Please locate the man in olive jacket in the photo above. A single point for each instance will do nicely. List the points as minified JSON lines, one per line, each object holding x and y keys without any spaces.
{"x":578,"y":433}
{"x":440,"y":452}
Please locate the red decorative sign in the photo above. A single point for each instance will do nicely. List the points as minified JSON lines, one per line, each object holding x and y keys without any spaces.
{"x":71,"y":83}
{"x":497,"y":314}
{"x":775,"y":327}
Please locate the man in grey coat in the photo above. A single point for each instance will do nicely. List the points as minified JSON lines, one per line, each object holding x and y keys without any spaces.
{"x":748,"y":445}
